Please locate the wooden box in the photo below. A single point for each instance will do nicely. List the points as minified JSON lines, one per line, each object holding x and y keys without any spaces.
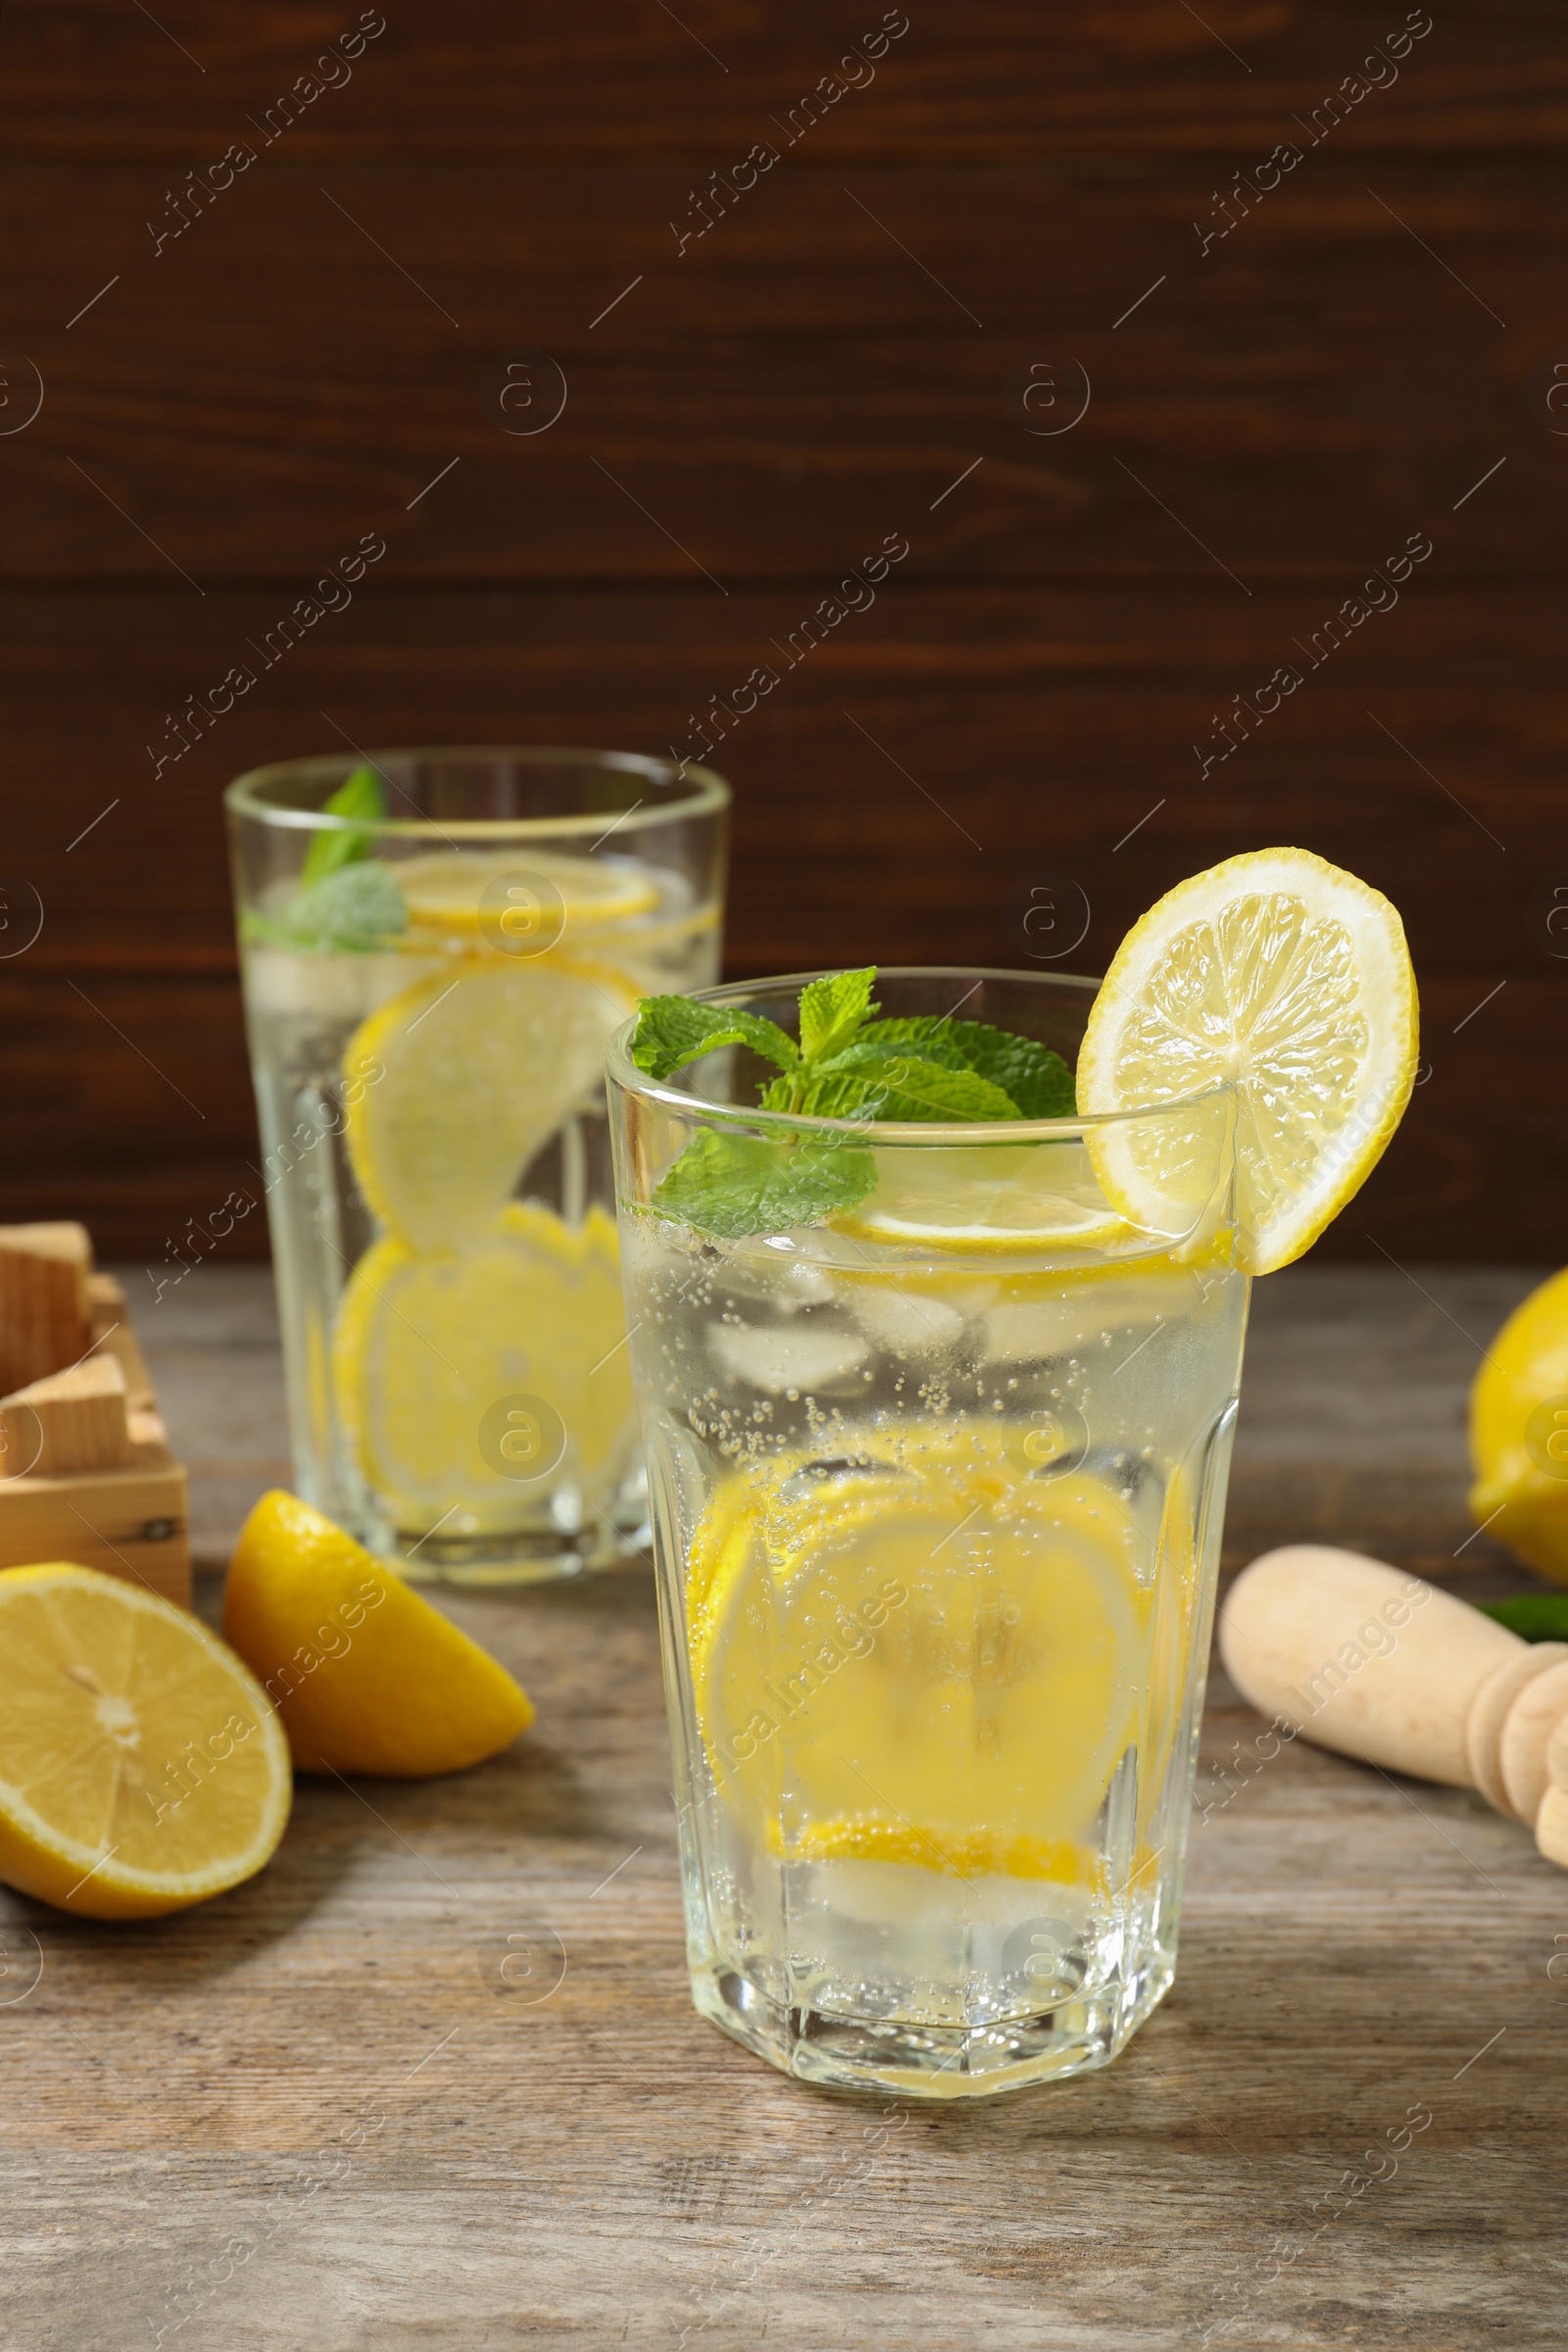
{"x":85,"y":1470}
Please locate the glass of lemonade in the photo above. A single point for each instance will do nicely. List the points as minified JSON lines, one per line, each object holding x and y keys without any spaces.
{"x":937,"y":1485}
{"x":432,"y":966}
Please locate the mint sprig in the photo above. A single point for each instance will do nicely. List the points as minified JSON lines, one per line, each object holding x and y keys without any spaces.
{"x":345,"y":902}
{"x":849,"y":1064}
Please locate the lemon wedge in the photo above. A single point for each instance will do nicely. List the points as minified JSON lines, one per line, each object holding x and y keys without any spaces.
{"x":927,"y":1658}
{"x":1519,"y":1432}
{"x":425,"y":1347}
{"x":367,"y":1675}
{"x":1289,"y":980}
{"x":456,"y":1083}
{"x":141,"y":1767}
{"x":464,"y":893}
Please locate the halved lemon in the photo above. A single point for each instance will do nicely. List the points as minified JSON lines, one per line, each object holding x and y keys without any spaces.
{"x":142,"y":1767}
{"x":457,"y":1082}
{"x":426,"y":1346}
{"x":1289,"y":979}
{"x":518,"y":894}
{"x":926,"y":1655}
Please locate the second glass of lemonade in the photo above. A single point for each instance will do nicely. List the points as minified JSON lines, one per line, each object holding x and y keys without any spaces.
{"x":432,"y":966}
{"x":937,"y":1485}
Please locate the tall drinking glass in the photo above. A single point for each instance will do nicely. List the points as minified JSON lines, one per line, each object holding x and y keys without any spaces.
{"x":431,"y":971}
{"x":937,"y":1485}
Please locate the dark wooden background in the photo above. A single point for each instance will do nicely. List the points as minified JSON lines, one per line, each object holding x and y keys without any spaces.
{"x":754,"y":415}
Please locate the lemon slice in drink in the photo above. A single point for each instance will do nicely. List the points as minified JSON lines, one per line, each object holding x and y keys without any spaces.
{"x":1289,"y":978}
{"x":929,"y":1649}
{"x":457,"y":1082}
{"x":972,"y":1854}
{"x":464,"y":893}
{"x":992,"y":1198}
{"x":141,"y":1765}
{"x":427,"y":1346}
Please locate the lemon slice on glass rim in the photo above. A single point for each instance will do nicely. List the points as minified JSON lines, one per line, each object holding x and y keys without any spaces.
{"x":1287,"y":978}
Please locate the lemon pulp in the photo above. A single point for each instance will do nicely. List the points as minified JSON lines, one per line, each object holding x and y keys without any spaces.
{"x":141,"y":1766}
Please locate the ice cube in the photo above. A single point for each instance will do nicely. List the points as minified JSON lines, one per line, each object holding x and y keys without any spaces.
{"x":805,"y":1356}
{"x":1026,"y":1331}
{"x":328,"y":988}
{"x":907,"y":1322}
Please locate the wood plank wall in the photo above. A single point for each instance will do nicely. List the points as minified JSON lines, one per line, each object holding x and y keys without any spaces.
{"x":1294,"y":369}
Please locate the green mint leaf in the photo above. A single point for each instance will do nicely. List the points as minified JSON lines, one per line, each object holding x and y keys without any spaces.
{"x":355,"y":908}
{"x":867,"y":1083}
{"x":930,"y":1033}
{"x":734,"y":1186}
{"x":910,"y":1086}
{"x":361,"y":794}
{"x":827,"y":1094}
{"x":673,"y":1031}
{"x":1038,"y":1080}
{"x":832,"y":1010}
{"x":1533,"y":1616}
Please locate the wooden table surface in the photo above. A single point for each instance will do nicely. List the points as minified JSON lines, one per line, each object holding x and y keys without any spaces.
{"x":315,"y":2112}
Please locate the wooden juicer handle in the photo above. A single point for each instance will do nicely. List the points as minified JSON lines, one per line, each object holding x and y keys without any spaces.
{"x":1383,"y":1666}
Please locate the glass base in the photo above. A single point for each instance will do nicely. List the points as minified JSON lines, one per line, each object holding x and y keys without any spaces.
{"x":532,"y":1556}
{"x":912,"y":2061}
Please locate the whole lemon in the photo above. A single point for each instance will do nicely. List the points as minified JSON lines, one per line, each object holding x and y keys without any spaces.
{"x":1519,"y":1432}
